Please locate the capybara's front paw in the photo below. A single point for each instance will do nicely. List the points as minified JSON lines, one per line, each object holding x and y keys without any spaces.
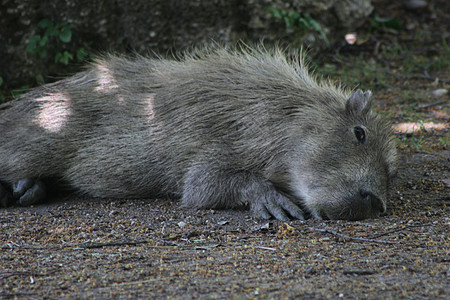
{"x":274,"y":204}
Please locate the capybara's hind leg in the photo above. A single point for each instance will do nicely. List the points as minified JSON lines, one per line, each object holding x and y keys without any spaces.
{"x":28,"y":191}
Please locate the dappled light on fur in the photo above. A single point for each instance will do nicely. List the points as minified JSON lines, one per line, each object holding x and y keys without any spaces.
{"x":54,"y":112}
{"x":106,"y":82}
{"x":149,"y":106}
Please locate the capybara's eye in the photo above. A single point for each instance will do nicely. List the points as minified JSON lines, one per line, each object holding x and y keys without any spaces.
{"x":360,"y":134}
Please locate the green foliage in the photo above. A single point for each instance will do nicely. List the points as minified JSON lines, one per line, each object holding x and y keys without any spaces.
{"x":17,"y":92}
{"x":52,"y":41}
{"x":444,"y":140}
{"x":414,"y":140}
{"x":63,"y":57}
{"x":379,"y":23}
{"x":81,"y":54}
{"x":368,"y":75}
{"x":444,"y":43}
{"x":418,"y":138}
{"x":297,"y":21}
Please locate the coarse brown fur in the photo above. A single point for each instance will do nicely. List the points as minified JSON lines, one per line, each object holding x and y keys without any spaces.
{"x":219,"y":130}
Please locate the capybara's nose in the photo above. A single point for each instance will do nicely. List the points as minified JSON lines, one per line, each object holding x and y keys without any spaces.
{"x":377,"y":206}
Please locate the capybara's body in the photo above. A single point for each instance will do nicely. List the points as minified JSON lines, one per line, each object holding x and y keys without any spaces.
{"x":219,"y":130}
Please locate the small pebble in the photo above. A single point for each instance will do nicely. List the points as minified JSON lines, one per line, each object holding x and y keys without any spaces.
{"x":446,"y":182}
{"x":439,"y":93}
{"x":265,"y":226}
{"x":415,"y":4}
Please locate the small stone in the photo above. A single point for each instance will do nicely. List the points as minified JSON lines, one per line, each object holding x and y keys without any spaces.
{"x":446,"y":182}
{"x":439,"y":93}
{"x":415,"y":4}
{"x":265,"y":226}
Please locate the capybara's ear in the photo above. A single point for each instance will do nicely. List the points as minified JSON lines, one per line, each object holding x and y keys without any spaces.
{"x":359,"y":103}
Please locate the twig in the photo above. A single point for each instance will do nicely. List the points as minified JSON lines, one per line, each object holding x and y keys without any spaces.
{"x":416,"y":76}
{"x":358,"y":272}
{"x":368,"y":240}
{"x":341,"y":235}
{"x":110,"y":244}
{"x":266,"y":248}
{"x":170,"y":243}
{"x":81,"y":246}
{"x":8,"y":246}
{"x":397,"y":230}
{"x":15,"y":295}
{"x":151,"y":280}
{"x":430,"y":104}
{"x":206,"y":247}
{"x":8,"y":274}
{"x":88,"y":245}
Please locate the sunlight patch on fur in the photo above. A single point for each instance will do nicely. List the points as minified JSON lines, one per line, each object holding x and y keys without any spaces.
{"x":54,"y":112}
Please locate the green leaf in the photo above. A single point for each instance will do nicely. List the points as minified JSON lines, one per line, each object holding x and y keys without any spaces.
{"x":67,"y":56}
{"x":319,"y":29}
{"x":42,"y":52}
{"x":45,"y":23}
{"x":58,"y":57}
{"x":293,"y":15}
{"x":43,"y":41}
{"x":314,"y":25}
{"x":391,"y":23}
{"x":82,"y":54}
{"x":395,"y":24}
{"x":63,"y":58}
{"x":275,"y":12}
{"x":32,"y":44}
{"x":1,"y":81}
{"x":382,"y":20}
{"x":66,"y":26}
{"x":51,"y":31}
{"x":305,"y":22}
{"x":444,"y":43}
{"x":65,"y":35}
{"x":287,"y":22}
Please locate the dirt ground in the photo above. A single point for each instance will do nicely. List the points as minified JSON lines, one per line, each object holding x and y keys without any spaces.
{"x":101,"y":249}
{"x":152,"y":249}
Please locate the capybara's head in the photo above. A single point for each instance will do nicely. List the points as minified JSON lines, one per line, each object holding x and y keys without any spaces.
{"x":346,"y":161}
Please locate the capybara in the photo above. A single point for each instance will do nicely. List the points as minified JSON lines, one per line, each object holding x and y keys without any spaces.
{"x":216,"y":129}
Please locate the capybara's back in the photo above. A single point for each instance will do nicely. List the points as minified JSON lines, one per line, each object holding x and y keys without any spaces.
{"x":221,"y":129}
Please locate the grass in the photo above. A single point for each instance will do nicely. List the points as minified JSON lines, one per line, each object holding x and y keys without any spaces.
{"x":362,"y":72}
